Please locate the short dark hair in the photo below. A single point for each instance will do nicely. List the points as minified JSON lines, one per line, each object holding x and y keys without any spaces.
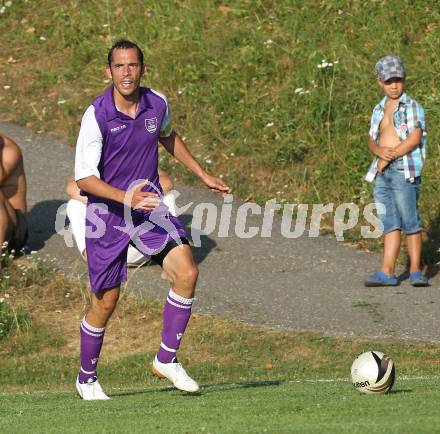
{"x":124,"y":44}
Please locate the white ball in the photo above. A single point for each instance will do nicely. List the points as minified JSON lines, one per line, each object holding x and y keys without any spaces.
{"x":373,"y":372}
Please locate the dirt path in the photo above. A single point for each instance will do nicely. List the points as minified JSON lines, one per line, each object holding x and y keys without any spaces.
{"x":302,"y":284}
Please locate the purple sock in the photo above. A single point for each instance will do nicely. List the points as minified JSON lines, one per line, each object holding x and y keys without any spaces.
{"x":91,"y":339}
{"x":176,"y":314}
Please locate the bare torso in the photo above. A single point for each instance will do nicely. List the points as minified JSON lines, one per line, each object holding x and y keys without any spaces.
{"x":387,"y":131}
{"x":14,"y":184}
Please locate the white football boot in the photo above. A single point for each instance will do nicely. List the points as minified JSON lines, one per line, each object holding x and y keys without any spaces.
{"x":91,"y":391}
{"x":176,"y":374}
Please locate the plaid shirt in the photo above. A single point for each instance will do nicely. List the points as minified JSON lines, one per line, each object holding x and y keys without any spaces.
{"x":408,"y":116}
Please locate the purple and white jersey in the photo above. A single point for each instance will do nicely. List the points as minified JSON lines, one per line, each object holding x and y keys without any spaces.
{"x":118,"y":149}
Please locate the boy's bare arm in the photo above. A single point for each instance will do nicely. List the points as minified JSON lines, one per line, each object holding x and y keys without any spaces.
{"x":383,"y":152}
{"x":382,"y":164}
{"x":414,"y":139}
{"x":73,"y":191}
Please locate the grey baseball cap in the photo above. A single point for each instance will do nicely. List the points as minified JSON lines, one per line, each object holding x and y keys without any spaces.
{"x":390,"y":67}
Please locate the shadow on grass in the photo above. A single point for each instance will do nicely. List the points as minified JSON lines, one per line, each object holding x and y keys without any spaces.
{"x":244,"y":384}
{"x":169,"y":389}
{"x":204,"y":387}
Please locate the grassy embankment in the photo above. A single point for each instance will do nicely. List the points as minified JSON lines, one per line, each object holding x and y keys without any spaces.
{"x":234,"y":73}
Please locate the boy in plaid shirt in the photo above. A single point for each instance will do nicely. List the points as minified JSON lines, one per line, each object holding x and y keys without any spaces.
{"x":398,"y":140}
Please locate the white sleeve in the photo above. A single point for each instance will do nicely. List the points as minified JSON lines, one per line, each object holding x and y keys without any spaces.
{"x":166,"y":127}
{"x":88,"y":146}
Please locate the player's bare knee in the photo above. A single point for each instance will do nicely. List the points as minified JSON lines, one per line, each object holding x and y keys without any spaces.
{"x":187,"y":278}
{"x":108,"y":306}
{"x":105,"y":305}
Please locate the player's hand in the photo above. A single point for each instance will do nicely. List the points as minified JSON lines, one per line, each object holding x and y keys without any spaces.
{"x":141,"y":200}
{"x":381,"y":165}
{"x":216,"y":184}
{"x":387,"y":154}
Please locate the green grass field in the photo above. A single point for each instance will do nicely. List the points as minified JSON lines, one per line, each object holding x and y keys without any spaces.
{"x":247,"y":407}
{"x":254,"y":379}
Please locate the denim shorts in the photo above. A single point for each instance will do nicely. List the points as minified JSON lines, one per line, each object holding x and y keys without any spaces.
{"x":400,"y":200}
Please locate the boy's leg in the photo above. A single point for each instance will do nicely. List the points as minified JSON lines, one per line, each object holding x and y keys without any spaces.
{"x":384,"y":195}
{"x":391,"y":249}
{"x":416,"y":278}
{"x":407,"y":202}
{"x":414,"y":243}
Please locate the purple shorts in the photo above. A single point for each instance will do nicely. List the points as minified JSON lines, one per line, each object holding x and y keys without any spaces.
{"x":111,"y":229}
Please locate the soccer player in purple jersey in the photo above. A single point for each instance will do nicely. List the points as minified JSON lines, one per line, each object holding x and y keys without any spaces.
{"x":116,"y":168}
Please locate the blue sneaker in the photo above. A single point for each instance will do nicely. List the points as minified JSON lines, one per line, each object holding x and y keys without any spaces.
{"x":379,"y":278}
{"x":418,"y":279}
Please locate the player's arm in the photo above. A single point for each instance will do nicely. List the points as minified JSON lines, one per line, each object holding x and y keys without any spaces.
{"x":176,"y":147}
{"x":10,"y":157}
{"x":174,"y":144}
{"x":87,"y":176}
{"x":134,"y":198}
{"x":413,"y":140}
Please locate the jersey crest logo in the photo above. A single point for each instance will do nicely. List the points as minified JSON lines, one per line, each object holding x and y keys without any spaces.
{"x":151,"y":125}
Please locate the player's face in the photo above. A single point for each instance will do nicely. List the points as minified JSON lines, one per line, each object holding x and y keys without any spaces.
{"x":126,"y":71}
{"x":393,"y":88}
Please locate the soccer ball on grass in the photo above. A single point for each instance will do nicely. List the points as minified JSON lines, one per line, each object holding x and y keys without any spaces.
{"x":373,"y":372}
